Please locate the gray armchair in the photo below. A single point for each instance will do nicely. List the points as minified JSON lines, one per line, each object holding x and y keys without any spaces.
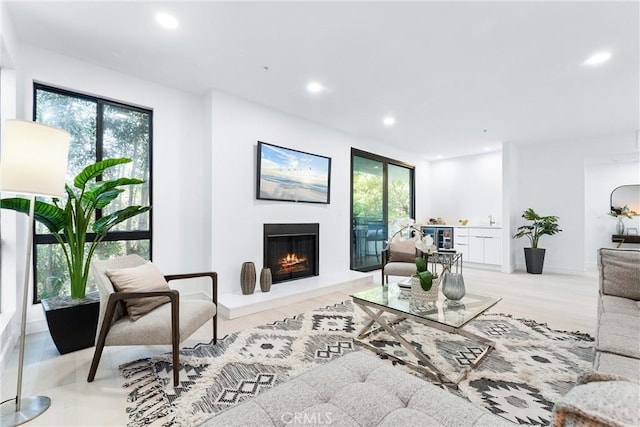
{"x":170,"y":323}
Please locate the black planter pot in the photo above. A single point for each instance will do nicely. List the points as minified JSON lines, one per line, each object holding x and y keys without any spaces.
{"x":72,"y":323}
{"x":534,"y":258}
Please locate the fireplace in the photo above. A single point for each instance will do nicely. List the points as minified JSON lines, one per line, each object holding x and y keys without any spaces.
{"x":291,"y":250}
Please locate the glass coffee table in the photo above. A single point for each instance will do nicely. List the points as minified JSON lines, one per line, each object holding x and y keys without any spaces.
{"x":387,"y":306}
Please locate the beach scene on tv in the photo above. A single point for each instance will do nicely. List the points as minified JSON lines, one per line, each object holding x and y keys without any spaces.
{"x":292,"y":175}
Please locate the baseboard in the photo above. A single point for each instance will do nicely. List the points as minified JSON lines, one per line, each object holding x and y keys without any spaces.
{"x":557,"y":270}
{"x":491,"y":267}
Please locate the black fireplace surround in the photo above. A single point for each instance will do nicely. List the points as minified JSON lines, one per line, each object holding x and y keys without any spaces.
{"x":291,"y":251}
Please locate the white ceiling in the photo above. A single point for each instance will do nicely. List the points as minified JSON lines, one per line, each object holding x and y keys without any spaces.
{"x":446,"y":70}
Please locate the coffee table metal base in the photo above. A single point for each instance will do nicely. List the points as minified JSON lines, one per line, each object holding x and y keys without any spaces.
{"x":378,"y":322}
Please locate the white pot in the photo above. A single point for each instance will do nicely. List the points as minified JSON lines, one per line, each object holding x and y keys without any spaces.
{"x":421,"y":297}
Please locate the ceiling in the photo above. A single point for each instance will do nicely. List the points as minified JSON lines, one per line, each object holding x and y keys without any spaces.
{"x":459,"y":77}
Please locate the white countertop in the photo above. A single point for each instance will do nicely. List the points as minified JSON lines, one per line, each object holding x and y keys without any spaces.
{"x":462,"y":226}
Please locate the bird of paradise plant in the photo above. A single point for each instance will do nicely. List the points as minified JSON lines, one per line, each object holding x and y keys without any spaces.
{"x":69,"y":222}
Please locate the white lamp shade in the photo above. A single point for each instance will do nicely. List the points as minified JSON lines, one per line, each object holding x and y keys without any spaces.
{"x":34,"y":159}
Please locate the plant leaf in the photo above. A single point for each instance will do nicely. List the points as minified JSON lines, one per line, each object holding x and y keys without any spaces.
{"x":104,"y":224}
{"x":47,"y":214}
{"x":91,"y":198}
{"x":95,"y":170}
{"x":426,"y":280}
{"x":100,"y":194}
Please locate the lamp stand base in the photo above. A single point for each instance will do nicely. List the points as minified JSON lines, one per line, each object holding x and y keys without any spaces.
{"x":30,"y":407}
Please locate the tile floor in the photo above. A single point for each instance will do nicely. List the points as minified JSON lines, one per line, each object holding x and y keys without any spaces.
{"x":562,"y":301}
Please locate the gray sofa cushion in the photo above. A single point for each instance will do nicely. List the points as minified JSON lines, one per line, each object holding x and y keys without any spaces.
{"x":619,"y":334}
{"x":627,"y":367}
{"x":356,"y":390}
{"x":619,"y":272}
{"x":626,"y":306}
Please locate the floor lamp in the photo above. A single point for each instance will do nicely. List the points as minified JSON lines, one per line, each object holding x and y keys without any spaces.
{"x":33,"y":163}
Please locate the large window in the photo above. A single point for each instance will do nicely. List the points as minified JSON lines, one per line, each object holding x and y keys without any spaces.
{"x":99,"y":129}
{"x":381,"y":193}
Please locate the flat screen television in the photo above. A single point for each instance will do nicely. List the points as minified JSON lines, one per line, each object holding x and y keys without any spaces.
{"x":291,"y":175}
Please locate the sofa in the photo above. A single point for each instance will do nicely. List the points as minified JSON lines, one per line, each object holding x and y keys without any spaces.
{"x":357,"y":389}
{"x":611,"y":394}
{"x":618,"y":328}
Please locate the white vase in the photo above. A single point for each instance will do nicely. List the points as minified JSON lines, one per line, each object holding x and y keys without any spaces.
{"x":620,"y":227}
{"x":421,"y":297}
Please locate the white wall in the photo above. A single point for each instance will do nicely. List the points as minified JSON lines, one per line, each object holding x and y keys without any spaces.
{"x":466,"y":187}
{"x":181,"y":193}
{"x":10,"y":274}
{"x":510,"y":215}
{"x":205,"y":215}
{"x":551,"y":180}
{"x":238,"y":218}
{"x":600,"y":180}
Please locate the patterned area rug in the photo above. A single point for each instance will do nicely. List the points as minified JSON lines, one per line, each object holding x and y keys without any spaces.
{"x":530,"y":367}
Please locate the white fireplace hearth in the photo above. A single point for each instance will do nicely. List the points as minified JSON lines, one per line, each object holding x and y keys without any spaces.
{"x":233,"y":305}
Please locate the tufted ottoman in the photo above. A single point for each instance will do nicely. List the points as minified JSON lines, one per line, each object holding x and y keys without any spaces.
{"x":358,"y":389}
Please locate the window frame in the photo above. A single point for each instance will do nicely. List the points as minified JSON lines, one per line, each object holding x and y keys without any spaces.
{"x":112,"y":236}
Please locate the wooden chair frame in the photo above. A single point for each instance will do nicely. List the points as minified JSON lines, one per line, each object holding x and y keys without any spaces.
{"x":174,"y":297}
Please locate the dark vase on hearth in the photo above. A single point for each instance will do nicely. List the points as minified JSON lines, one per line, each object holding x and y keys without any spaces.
{"x":248,"y":278}
{"x":265,"y":279}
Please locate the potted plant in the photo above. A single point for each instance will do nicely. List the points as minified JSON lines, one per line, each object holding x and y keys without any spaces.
{"x":540,"y":226}
{"x":69,"y":223}
{"x":620,"y":212}
{"x":424,"y":290}
{"x":423,"y":274}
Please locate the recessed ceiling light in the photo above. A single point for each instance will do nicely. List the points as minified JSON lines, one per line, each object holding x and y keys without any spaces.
{"x":314,"y":87}
{"x":439,"y":156}
{"x":166,"y":21}
{"x":389,"y":121}
{"x":597,"y":59}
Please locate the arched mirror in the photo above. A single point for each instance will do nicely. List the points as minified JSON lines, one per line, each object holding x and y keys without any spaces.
{"x":626,"y":195}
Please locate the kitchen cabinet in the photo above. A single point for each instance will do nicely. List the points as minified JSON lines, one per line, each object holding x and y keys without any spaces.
{"x":461,"y":242}
{"x":485,"y":245}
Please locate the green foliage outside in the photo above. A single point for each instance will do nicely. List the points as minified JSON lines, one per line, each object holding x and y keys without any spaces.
{"x":367,"y":198}
{"x":125,"y":133}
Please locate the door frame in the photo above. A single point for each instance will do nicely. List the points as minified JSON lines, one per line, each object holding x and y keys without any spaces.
{"x":386,"y":161}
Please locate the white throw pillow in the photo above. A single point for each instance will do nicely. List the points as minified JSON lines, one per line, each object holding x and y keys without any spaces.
{"x":143,"y":278}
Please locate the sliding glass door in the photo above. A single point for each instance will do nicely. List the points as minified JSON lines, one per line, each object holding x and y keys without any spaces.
{"x":381,"y":194}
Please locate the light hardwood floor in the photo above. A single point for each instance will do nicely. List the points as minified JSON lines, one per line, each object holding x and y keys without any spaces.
{"x":562,"y":301}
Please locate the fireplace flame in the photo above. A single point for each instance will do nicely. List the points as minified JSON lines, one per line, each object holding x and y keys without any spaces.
{"x":293,"y":263}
